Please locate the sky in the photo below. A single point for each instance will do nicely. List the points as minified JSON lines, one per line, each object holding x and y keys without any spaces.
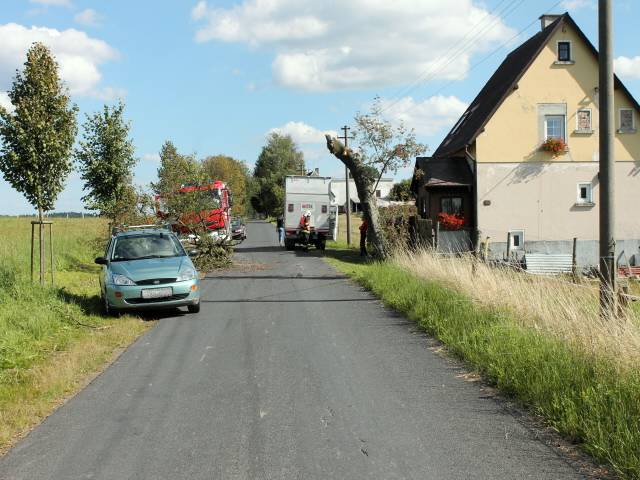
{"x":217,"y":76}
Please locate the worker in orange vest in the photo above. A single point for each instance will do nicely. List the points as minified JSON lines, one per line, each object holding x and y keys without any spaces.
{"x":305,"y":228}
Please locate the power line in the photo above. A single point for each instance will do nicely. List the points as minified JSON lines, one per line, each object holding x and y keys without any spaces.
{"x":446,"y":54}
{"x":458,"y":50}
{"x":481,"y":61}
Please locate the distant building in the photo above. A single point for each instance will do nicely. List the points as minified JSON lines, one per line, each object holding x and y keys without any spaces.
{"x":338,"y":189}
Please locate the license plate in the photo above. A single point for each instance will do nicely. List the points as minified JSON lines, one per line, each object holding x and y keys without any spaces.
{"x":157,"y":292}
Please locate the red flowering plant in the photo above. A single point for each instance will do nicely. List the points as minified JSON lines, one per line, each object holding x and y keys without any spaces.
{"x":554,"y":145}
{"x":451,"y":221}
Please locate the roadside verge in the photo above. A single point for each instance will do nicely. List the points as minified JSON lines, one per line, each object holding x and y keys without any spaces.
{"x":590,"y":401}
{"x":53,"y":339}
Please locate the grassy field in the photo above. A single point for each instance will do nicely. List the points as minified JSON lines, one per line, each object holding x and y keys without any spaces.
{"x":581,"y":375}
{"x":52,"y":339}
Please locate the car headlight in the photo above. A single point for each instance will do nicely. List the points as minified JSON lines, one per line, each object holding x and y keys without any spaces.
{"x":187,"y":273}
{"x":118,"y":279}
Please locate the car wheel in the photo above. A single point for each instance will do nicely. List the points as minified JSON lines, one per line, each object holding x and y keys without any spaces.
{"x":289,"y":244}
{"x":194,"y":308}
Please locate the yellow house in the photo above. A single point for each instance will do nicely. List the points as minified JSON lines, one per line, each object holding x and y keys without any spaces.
{"x":521,"y":163}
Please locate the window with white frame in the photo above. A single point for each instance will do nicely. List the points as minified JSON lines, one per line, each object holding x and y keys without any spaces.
{"x":516,"y":240}
{"x":564,"y":51}
{"x":585,"y":194}
{"x":554,"y":127}
{"x":583,"y":120}
{"x":627,"y":123}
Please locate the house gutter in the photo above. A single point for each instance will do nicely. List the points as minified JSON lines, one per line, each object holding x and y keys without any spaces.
{"x":473,"y":164}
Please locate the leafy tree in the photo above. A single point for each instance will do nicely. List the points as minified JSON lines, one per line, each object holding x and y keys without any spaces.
{"x":401,"y":191}
{"x":177,"y":170}
{"x":37,"y":138}
{"x":279,"y":157}
{"x":382,"y":148}
{"x":106,"y":159}
{"x":235,"y":174}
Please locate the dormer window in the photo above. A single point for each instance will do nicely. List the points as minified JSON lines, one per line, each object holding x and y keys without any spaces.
{"x":564,"y":51}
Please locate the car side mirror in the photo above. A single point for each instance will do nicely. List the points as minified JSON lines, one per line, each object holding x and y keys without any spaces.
{"x":101,"y":261}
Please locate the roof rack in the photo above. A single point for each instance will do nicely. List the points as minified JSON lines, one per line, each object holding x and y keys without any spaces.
{"x":126,"y":228}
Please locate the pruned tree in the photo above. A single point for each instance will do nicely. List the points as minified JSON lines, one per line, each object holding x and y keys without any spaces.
{"x":382,"y":148}
{"x":37,"y":137}
{"x":106,"y":159}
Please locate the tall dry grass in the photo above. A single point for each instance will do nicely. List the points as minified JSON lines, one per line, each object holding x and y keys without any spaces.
{"x":554,"y":305}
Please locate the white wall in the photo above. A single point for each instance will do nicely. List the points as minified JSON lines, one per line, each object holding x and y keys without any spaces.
{"x":338,"y":189}
{"x":540,"y":197}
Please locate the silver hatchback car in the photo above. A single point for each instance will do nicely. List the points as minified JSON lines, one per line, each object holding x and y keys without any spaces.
{"x":147,"y":268}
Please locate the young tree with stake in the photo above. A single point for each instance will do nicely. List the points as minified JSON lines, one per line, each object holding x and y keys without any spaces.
{"x":382,"y":148}
{"x":37,"y":138}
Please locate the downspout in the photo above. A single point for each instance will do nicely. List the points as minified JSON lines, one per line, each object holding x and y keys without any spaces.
{"x":474,"y":169}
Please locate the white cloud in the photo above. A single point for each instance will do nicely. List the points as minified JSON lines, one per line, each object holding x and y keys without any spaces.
{"x":5,"y":102}
{"x":54,"y":3}
{"x":577,"y":4}
{"x":78,"y":55}
{"x":628,"y":67}
{"x":199,"y":11}
{"x":322,"y":46}
{"x":88,"y":17}
{"x":301,"y":133}
{"x":151,"y":157}
{"x":428,"y":117}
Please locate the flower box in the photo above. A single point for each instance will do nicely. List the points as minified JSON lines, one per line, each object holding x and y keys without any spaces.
{"x":555,"y":146}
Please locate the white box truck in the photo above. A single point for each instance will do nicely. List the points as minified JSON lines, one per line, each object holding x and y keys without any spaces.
{"x":309,"y":194}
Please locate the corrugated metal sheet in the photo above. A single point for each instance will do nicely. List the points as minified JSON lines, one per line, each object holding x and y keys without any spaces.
{"x":547,"y":264}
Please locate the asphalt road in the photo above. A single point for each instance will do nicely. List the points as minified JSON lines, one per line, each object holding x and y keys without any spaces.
{"x":288,"y":372}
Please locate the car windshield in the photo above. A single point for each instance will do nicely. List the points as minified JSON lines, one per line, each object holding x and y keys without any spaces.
{"x":236,"y":223}
{"x":137,"y":247}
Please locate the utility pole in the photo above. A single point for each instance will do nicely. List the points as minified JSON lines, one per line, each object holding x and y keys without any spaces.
{"x":347,"y":206}
{"x":607,"y":162}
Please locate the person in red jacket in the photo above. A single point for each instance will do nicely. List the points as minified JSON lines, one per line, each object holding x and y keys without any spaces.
{"x":305,"y":229}
{"x":364,"y":227}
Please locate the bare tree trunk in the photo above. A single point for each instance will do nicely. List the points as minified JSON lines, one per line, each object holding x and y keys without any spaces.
{"x":41,"y":245}
{"x":368,"y":201}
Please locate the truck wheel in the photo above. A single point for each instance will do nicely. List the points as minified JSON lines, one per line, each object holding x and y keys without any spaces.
{"x":289,"y":244}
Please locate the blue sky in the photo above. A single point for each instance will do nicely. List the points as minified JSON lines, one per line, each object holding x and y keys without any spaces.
{"x":217,"y":76}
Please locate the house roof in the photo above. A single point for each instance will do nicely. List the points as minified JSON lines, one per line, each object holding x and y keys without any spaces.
{"x":503,"y":82}
{"x":442,"y":172}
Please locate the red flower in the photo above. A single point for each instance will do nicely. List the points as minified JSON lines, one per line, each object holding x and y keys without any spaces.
{"x":449,"y":221}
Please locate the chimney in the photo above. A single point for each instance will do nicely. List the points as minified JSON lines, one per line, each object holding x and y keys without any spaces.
{"x":547,"y":19}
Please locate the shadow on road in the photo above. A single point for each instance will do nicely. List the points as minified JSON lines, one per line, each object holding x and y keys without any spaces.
{"x":259,"y":249}
{"x":93,"y":306}
{"x":278,"y":277}
{"x":259,"y":300}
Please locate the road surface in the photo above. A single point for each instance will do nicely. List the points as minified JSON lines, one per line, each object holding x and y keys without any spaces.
{"x":289,"y":371}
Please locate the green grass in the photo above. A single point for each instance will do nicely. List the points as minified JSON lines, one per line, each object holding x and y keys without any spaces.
{"x":589,"y":401}
{"x":52,"y":337}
